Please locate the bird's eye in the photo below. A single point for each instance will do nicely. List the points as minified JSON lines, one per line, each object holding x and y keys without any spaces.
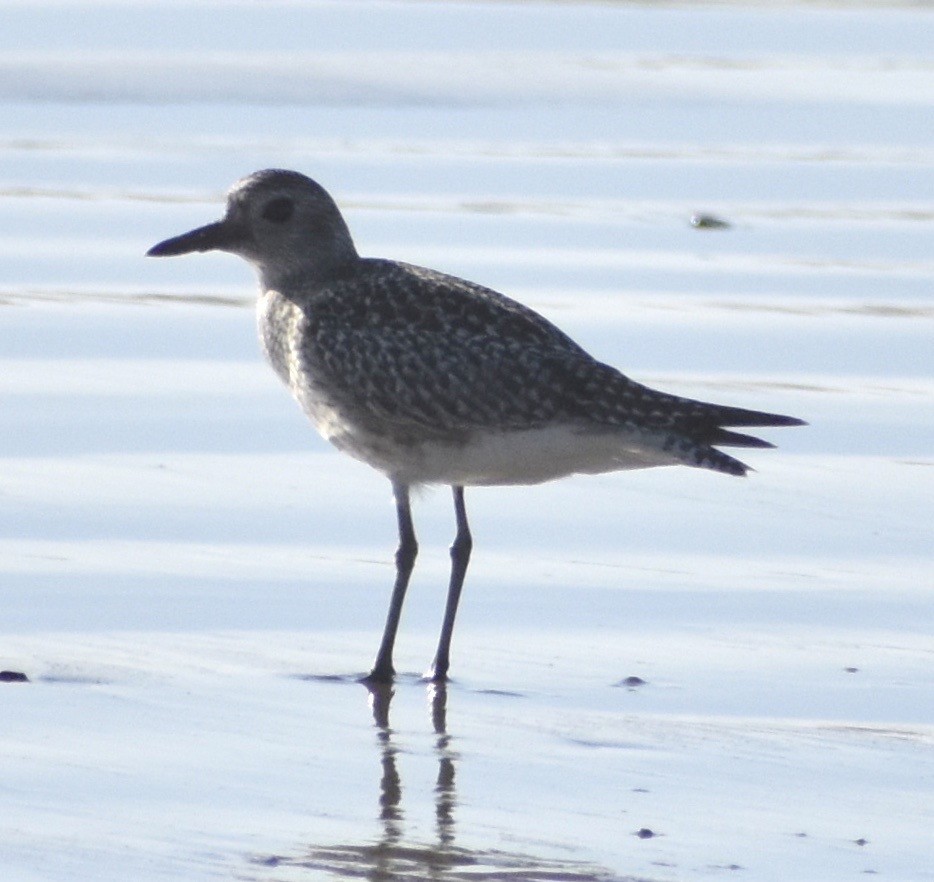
{"x":278,"y":210}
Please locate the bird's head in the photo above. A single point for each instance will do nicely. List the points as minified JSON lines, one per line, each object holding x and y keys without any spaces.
{"x":280,"y":221}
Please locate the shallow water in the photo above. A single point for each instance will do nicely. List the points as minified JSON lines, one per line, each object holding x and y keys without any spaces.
{"x":191,"y":579}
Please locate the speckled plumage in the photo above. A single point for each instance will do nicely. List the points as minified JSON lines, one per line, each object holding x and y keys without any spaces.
{"x":412,"y":356}
{"x":433,"y":379}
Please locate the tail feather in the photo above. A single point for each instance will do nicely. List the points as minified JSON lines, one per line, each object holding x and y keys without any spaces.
{"x":726,"y":438}
{"x":689,"y":429}
{"x":739,"y":416}
{"x":705,"y":425}
{"x":703,"y":456}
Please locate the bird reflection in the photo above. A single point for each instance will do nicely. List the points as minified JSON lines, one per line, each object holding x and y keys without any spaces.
{"x":390,"y":858}
{"x":390,"y":785}
{"x":445,"y":798}
{"x":390,"y":790}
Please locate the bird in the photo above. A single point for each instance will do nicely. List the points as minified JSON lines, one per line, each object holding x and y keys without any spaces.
{"x":435,"y":380}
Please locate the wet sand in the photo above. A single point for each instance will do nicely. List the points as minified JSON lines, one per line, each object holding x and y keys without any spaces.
{"x":662,"y":675}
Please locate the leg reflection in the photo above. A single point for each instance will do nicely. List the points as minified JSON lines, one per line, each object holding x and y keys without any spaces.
{"x":390,"y":787}
{"x":394,"y":853}
{"x":445,"y":797}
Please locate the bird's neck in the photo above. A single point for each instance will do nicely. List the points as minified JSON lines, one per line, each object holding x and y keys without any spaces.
{"x":295,"y":280}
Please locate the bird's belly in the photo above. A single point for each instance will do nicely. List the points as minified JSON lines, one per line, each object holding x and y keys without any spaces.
{"x":530,"y":456}
{"x":535,"y":455}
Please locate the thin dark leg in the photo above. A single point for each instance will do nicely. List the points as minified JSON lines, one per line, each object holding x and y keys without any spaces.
{"x":460,"y":557}
{"x":405,"y":560}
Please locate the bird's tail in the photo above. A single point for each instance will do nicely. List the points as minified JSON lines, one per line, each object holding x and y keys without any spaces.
{"x":703,"y":427}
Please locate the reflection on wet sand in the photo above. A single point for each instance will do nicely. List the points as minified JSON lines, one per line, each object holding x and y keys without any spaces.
{"x":389,"y":858}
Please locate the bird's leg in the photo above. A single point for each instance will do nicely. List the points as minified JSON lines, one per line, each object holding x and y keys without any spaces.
{"x":460,"y":557}
{"x":405,"y":560}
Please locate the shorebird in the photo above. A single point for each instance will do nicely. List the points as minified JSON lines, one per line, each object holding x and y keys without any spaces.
{"x":435,"y":380}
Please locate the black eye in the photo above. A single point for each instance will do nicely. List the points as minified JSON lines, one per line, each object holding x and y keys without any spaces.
{"x":278,"y":210}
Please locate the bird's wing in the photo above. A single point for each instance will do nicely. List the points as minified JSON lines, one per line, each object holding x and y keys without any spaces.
{"x":411,"y":346}
{"x":415,"y":348}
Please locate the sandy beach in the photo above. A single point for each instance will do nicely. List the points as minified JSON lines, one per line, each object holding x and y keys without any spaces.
{"x":659,"y":675}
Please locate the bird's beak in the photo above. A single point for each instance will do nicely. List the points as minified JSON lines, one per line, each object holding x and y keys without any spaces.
{"x":219,"y":236}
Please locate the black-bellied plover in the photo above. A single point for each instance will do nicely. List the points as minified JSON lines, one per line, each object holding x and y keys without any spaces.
{"x":434,"y":380}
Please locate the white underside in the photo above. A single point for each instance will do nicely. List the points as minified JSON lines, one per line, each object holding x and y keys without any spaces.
{"x":515,"y":457}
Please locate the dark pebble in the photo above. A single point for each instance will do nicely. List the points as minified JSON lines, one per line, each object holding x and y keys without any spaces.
{"x":631,"y":682}
{"x":708,"y":222}
{"x":645,"y":833}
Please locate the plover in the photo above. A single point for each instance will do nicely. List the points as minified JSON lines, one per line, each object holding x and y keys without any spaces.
{"x":435,"y":380}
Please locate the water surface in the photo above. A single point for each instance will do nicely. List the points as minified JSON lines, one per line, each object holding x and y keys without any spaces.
{"x":191,"y":578}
